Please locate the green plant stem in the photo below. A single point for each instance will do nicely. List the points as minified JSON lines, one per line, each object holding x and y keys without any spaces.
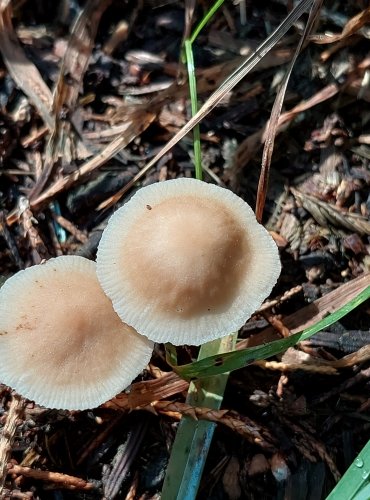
{"x":194,"y":108}
{"x":205,"y":19}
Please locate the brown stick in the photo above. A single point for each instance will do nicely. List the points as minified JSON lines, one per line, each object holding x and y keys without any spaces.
{"x":63,"y":480}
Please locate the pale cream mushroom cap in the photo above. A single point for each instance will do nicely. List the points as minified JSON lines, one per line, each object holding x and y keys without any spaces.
{"x":61,"y":343}
{"x":186,"y":262}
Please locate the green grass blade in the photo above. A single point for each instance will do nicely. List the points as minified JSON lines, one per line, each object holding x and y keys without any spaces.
{"x":354,"y":485}
{"x":205,"y":19}
{"x":194,"y":108}
{"x":216,"y":365}
{"x":193,"y":438}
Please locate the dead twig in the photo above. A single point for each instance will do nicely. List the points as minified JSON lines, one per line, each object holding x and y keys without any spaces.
{"x":15,"y":413}
{"x":62,"y":480}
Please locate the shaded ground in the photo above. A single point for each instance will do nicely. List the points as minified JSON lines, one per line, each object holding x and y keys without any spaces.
{"x":56,"y":195}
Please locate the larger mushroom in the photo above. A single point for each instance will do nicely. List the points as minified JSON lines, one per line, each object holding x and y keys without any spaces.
{"x":186,"y":262}
{"x":61,"y":343}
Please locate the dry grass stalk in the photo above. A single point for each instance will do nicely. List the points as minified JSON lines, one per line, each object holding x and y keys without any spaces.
{"x":272,"y":126}
{"x":230,"y":82}
{"x":291,"y":367}
{"x":248,"y":148}
{"x":15,"y":413}
{"x":63,"y":142}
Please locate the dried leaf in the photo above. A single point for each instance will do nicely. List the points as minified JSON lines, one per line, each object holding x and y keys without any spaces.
{"x":23,"y":72}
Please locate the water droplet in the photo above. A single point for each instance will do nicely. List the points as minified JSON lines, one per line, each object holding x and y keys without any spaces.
{"x":365,"y":474}
{"x":359,"y":462}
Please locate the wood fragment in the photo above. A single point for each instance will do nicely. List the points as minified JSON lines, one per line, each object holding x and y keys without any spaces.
{"x":98,"y":440}
{"x":10,"y":242}
{"x":361,"y":376}
{"x":308,"y":444}
{"x":143,"y":393}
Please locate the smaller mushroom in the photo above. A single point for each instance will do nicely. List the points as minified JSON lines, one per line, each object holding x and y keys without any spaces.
{"x":61,"y":343}
{"x":186,"y":262}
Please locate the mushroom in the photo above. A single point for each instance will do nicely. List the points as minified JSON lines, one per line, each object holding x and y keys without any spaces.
{"x":61,"y":343}
{"x":186,"y":262}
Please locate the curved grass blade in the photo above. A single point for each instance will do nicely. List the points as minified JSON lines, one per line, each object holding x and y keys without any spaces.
{"x":222,"y":363}
{"x":354,"y":485}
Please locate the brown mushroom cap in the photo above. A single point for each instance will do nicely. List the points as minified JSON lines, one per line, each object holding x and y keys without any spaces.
{"x":186,"y":262}
{"x":61,"y":343}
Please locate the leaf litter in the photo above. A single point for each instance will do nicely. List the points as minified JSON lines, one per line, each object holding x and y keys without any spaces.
{"x":85,"y":114}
